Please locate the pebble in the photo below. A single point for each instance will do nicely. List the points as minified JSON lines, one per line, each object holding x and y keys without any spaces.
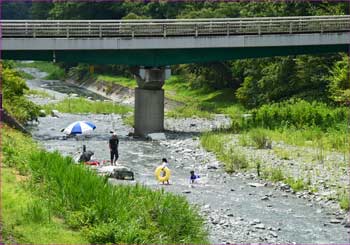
{"x":335,"y":221}
{"x":273,"y":234}
{"x":260,"y":226}
{"x":186,"y":191}
{"x":256,"y":184}
{"x":265,"y":198}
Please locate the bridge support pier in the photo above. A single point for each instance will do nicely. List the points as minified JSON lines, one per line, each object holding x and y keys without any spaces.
{"x":149,"y":100}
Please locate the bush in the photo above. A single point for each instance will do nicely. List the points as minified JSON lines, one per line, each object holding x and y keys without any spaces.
{"x":298,"y":114}
{"x":14,"y":102}
{"x":260,"y":138}
{"x":273,"y":174}
{"x":296,"y":185}
{"x":234,"y":161}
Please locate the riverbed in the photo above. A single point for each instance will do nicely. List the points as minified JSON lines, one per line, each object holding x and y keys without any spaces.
{"x":237,"y":208}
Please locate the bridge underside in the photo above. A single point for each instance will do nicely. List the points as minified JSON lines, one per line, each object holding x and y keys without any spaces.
{"x":162,"y":57}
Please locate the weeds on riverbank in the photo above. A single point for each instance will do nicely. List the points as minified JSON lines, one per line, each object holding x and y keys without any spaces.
{"x":87,"y":203}
{"x":26,"y":217}
{"x":81,"y":105}
{"x":220,"y":145}
{"x":113,"y":214}
{"x":344,"y":199}
{"x":39,"y":93}
{"x":53,"y":70}
{"x":123,"y":81}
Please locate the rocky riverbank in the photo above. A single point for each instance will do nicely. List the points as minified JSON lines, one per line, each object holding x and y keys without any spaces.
{"x":237,"y":208}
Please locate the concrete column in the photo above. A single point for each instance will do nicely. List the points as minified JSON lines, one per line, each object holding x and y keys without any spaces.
{"x":149,"y":111}
{"x":149,"y":100}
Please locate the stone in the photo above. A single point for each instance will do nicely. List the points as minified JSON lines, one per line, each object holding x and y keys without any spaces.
{"x":273,"y":234}
{"x":156,"y":136}
{"x":347,"y":223}
{"x":186,"y":191}
{"x":265,"y":198}
{"x":232,"y":190}
{"x":335,"y":221}
{"x":42,"y":113}
{"x":260,"y":226}
{"x":256,"y":184}
{"x":285,"y":187}
{"x":55,"y":113}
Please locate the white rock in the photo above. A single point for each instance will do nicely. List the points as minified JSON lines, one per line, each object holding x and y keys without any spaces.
{"x":255,"y":184}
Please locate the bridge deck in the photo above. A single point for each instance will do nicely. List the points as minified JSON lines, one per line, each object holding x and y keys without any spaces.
{"x":173,"y":28}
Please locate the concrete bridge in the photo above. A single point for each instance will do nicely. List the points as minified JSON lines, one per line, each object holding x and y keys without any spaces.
{"x":152,"y":45}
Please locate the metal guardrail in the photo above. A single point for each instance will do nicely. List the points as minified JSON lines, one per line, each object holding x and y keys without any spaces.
{"x":173,"y":27}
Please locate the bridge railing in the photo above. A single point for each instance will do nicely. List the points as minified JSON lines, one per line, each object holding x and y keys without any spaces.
{"x":169,"y":28}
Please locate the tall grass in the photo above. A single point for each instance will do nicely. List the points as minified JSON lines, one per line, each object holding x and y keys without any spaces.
{"x":123,"y":81}
{"x":219,"y":144}
{"x":260,"y":138}
{"x":39,"y":93}
{"x":26,"y":216}
{"x":54,"y":71}
{"x":114,"y":214}
{"x":298,"y":114}
{"x":88,"y":203}
{"x":81,"y":105}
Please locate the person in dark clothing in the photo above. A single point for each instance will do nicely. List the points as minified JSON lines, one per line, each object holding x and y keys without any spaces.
{"x":113,"y":147}
{"x":86,"y":156}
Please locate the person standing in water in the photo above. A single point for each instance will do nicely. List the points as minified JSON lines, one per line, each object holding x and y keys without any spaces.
{"x":113,"y":147}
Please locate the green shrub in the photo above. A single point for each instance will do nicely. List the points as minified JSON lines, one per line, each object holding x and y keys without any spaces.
{"x":260,"y":138}
{"x":298,"y":113}
{"x":273,"y":174}
{"x":234,"y":160}
{"x":296,"y":185}
{"x":344,"y":199}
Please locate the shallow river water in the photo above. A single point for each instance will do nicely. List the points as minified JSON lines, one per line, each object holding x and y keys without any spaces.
{"x":235,"y":212}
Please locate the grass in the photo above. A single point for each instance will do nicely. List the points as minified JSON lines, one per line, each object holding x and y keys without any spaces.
{"x":128,"y":120}
{"x":25,"y":75}
{"x":53,"y":70}
{"x":25,"y":215}
{"x":231,"y":157}
{"x":39,"y":93}
{"x":81,"y":105}
{"x":274,"y":174}
{"x":78,"y":199}
{"x":260,"y":138}
{"x":333,"y":139}
{"x":344,"y":199}
{"x":199,"y":102}
{"x":282,"y":153}
{"x":123,"y":81}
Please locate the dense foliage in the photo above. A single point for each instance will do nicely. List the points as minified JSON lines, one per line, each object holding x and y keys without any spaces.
{"x":14,"y":102}
{"x":298,"y":114}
